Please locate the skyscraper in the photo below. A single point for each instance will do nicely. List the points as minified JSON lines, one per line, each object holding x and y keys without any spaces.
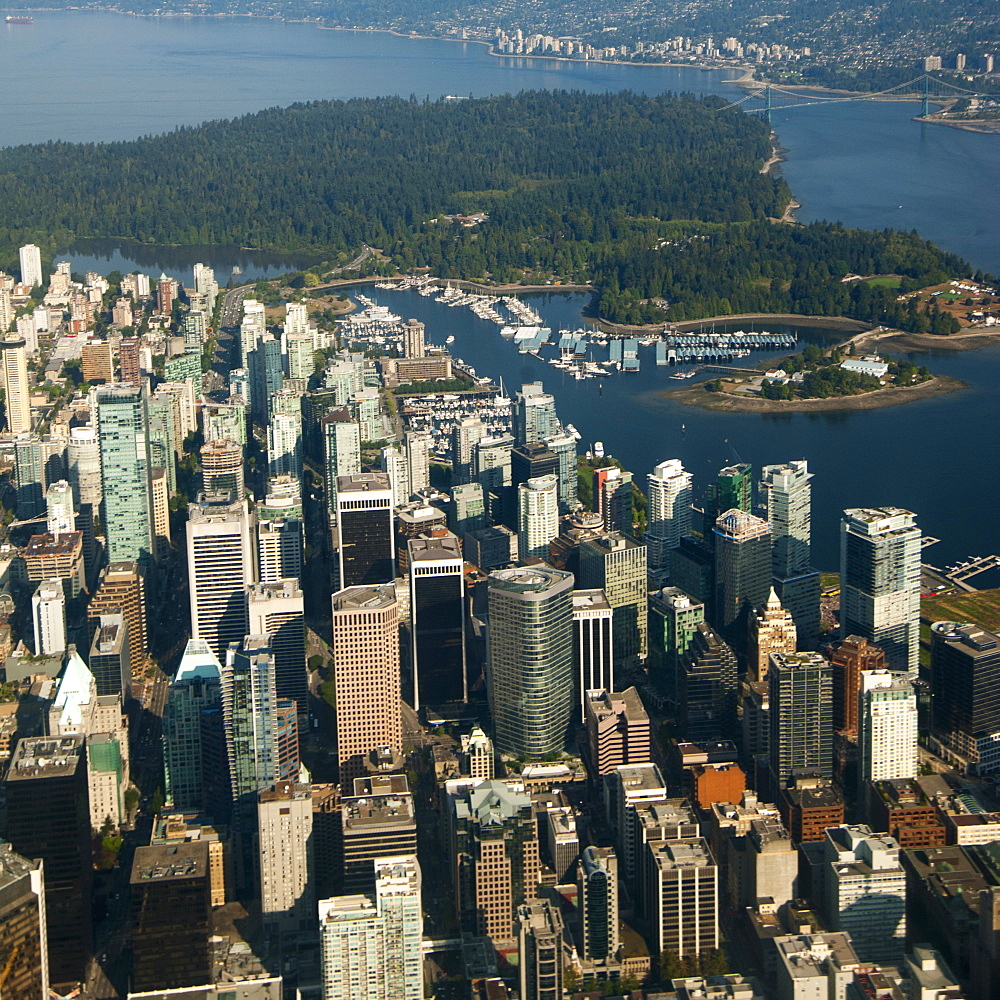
{"x":534,"y":414}
{"x":437,"y":620}
{"x":563,"y":446}
{"x":83,"y":462}
{"x":540,"y":947}
{"x":742,"y":572}
{"x":48,"y":614}
{"x":29,"y":471}
{"x":593,"y":645}
{"x":706,"y":693}
{"x":194,"y":688}
{"x":613,"y":498}
{"x":342,"y":450}
{"x":266,"y":375}
{"x":800,"y":695}
{"x":530,"y":654}
{"x":673,"y":619}
{"x":880,"y":582}
{"x":366,"y":676}
{"x":284,"y":445}
{"x":394,"y":463}
{"x":279,"y":548}
{"x":887,"y":728}
{"x":597,"y":895}
{"x":367,"y":550}
{"x":277,"y":610}
{"x":417,"y":446}
{"x":669,"y":488}
{"x":465,"y":435}
{"x":125,"y":473}
{"x":286,"y":858}
{"x":772,"y":630}
{"x":538,"y":516}
{"x":732,"y":490}
{"x":786,"y":499}
{"x":121,"y":589}
{"x":17,"y":398}
{"x":23,"y":940}
{"x":413,"y":339}
{"x":220,"y":559}
{"x":467,"y":509}
{"x":222,"y":468}
{"x":31,"y":265}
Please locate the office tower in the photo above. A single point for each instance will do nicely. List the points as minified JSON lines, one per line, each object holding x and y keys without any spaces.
{"x":222,"y":468}
{"x":495,"y":858}
{"x":279,"y":549}
{"x":83,"y":460}
{"x":563,"y":446}
{"x":417,"y":448}
{"x":850,"y":657}
{"x":476,"y":755}
{"x":266,"y":376}
{"x":785,"y":496}
{"x":367,"y":553}
{"x":17,"y":401}
{"x":48,"y":615}
{"x":51,"y":558}
{"x":160,"y":489}
{"x":277,"y":610}
{"x":394,"y":463}
{"x":220,"y":560}
{"x":437,"y":621}
{"x":965,"y":679}
{"x":772,"y":630}
{"x":692,"y":568}
{"x":286,"y":858}
{"x":593,"y":646}
{"x":613,"y":498}
{"x":732,"y":490}
{"x":467,"y":509}
{"x":370,"y":944}
{"x":887,"y":729}
{"x":24,"y":960}
{"x":110,"y":658}
{"x":377,"y":820}
{"x":29,"y":472}
{"x":48,"y":818}
{"x":60,"y":515}
{"x":413,"y":339}
{"x":800,"y":695}
{"x":193,"y":689}
{"x":597,"y":901}
{"x":706,"y":693}
{"x":97,"y":361}
{"x":880,"y":582}
{"x":539,"y":948}
{"x":531,"y":461}
{"x":681,"y":889}
{"x":121,"y":589}
{"x":631,"y":787}
{"x":170,"y":917}
{"x":493,"y":461}
{"x":617,"y":730}
{"x":464,"y":437}
{"x":366,"y":675}
{"x":616,"y":564}
{"x":530,"y":656}
{"x":865,"y":891}
{"x":125,"y":472}
{"x":669,"y":518}
{"x":284,"y":445}
{"x":342,"y":450}
{"x":538,"y":516}
{"x":534,"y":414}
{"x":742,"y":572}
{"x":31,"y":265}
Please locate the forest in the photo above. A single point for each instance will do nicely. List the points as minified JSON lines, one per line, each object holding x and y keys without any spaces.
{"x":658,"y":201}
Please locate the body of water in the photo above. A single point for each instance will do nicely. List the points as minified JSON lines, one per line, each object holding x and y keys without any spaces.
{"x":92,"y":76}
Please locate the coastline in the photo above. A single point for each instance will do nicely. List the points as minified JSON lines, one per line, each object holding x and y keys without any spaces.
{"x":938,"y":385}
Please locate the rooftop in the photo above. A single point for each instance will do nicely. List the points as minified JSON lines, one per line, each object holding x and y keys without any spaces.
{"x":806,"y":955}
{"x":198,"y":661}
{"x":373,"y":598}
{"x":692,"y":852}
{"x":590,"y":600}
{"x":45,"y":544}
{"x":183,"y":860}
{"x":363,"y":482}
{"x":437,"y":549}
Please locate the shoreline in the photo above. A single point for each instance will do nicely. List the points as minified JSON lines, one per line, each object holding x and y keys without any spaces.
{"x":938,"y":385}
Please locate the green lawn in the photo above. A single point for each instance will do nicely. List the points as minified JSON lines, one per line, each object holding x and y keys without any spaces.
{"x":981,"y":608}
{"x":884,"y":282}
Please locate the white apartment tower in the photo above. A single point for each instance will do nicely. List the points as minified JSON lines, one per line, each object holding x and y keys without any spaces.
{"x":31,"y":265}
{"x":48,"y":613}
{"x":279,"y":549}
{"x":537,"y":516}
{"x":670,"y":497}
{"x":887,"y":727}
{"x":14,"y":365}
{"x":286,"y":864}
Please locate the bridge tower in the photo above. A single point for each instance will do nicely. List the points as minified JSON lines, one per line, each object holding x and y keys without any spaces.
{"x":925,"y":104}
{"x":767,"y":104}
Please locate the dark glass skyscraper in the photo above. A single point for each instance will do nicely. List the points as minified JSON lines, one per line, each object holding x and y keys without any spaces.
{"x":367,"y":550}
{"x":742,"y":572}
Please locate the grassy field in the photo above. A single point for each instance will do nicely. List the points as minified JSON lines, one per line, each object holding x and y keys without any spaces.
{"x":981,"y":608}
{"x":883,"y":282}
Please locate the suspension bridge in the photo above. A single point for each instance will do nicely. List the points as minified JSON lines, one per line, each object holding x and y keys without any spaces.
{"x":925,"y":88}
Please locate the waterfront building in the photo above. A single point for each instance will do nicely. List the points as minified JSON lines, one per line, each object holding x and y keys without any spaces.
{"x":593,"y":645}
{"x":366,"y":553}
{"x":800,"y":697}
{"x":613,"y":498}
{"x":464,"y":437}
{"x":17,"y":393}
{"x":880,"y":582}
{"x":669,"y":519}
{"x":538,"y":516}
{"x":530,"y":654}
{"x":534,"y":414}
{"x":732,"y":490}
{"x":563,"y":446}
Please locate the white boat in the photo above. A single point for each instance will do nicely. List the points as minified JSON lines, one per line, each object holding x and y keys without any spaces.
{"x":598,"y":449}
{"x":449,"y":340}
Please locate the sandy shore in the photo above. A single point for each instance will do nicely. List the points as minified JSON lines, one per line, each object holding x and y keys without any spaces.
{"x":898,"y":340}
{"x":939,"y":385}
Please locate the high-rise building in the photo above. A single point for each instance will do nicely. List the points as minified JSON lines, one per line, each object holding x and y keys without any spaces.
{"x":110,"y":659}
{"x":616,"y":564}
{"x":538,"y":516}
{"x":617,"y":730}
{"x":613,"y":498}
{"x":786,"y":499}
{"x":29,"y":472}
{"x":413,"y":339}
{"x":540,"y":947}
{"x":880,"y":582}
{"x":367,"y":550}
{"x":593,"y":646}
{"x":366,"y":676}
{"x":417,"y":447}
{"x":266,"y":375}
{"x":495,"y":857}
{"x":48,"y":614}
{"x":125,"y":473}
{"x":220,"y":559}
{"x":60,"y":513}
{"x":531,"y":461}
{"x":83,"y":461}
{"x":887,"y":731}
{"x":493,"y":461}
{"x":279,"y":547}
{"x":286,"y":858}
{"x":707,"y":690}
{"x":129,"y":367}
{"x":563,"y":446}
{"x":965,"y":678}
{"x":597,"y":896}
{"x":465,"y":435}
{"x":277,"y":610}
{"x":97,"y":361}
{"x":24,"y":956}
{"x":772,"y":630}
{"x":732,"y":490}
{"x":284,"y":444}
{"x":534,"y":414}
{"x":800,"y":696}
{"x":673,"y":618}
{"x":682,"y":893}
{"x":222,"y":468}
{"x":31,"y":265}
{"x":370,"y":945}
{"x":742,"y":572}
{"x":121,"y":589}
{"x":850,"y":657}
{"x":467,"y":509}
{"x":17,"y":397}
{"x":669,"y":519}
{"x":341,"y":450}
{"x":171,"y":916}
{"x":393,"y":462}
{"x":194,"y":688}
{"x":437,"y":620}
{"x":48,"y":818}
{"x":160,"y":491}
{"x":530,"y":654}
